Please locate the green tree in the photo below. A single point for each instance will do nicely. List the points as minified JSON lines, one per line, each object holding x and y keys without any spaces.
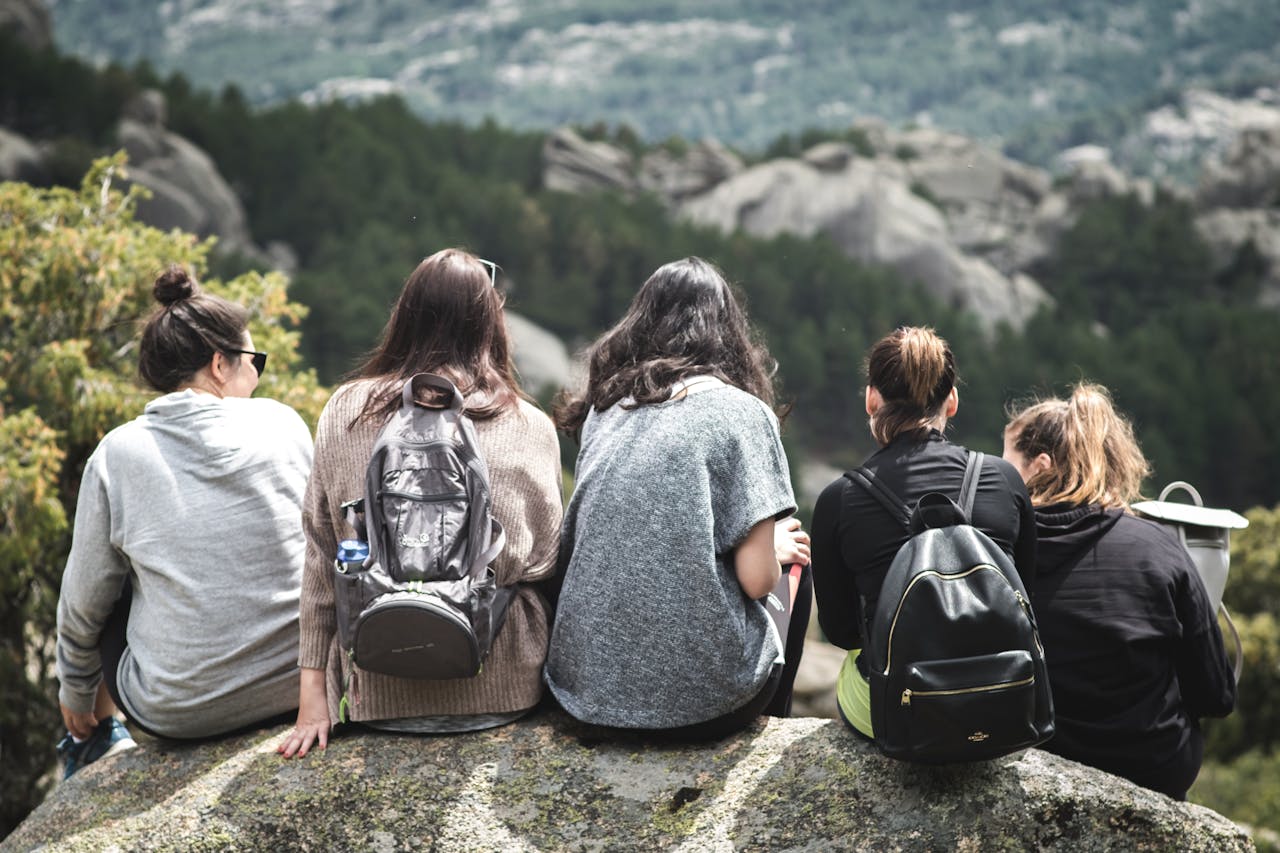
{"x":75,"y":276}
{"x":1241,"y":776}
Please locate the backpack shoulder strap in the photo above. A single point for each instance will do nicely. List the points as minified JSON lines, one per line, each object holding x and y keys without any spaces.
{"x":969,"y":487}
{"x":882,"y":493}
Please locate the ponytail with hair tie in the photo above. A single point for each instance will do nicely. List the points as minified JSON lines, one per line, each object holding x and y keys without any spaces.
{"x":1095,"y":456}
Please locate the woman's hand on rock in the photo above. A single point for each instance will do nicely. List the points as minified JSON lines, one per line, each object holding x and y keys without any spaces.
{"x":312,"y":727}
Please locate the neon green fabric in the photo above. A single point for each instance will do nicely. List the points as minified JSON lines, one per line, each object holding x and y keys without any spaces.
{"x":853,"y":694}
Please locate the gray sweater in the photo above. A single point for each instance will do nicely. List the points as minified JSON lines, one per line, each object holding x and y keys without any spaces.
{"x":652,"y":629}
{"x":198,"y":502}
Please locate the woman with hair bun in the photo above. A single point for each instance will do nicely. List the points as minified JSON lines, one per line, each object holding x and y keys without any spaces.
{"x":1134,"y":652}
{"x":179,"y":600}
{"x":910,"y":396}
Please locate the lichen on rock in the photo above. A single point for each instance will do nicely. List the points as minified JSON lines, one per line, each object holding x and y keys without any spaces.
{"x":548,"y":783}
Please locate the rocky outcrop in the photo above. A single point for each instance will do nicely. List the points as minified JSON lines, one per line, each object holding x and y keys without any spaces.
{"x":20,"y":160}
{"x":188,"y":192}
{"x":548,"y":784}
{"x":574,"y":165}
{"x":677,"y":176}
{"x":868,"y":208}
{"x":541,"y":358}
{"x":1228,"y":231}
{"x":29,"y":20}
{"x":1247,"y":175}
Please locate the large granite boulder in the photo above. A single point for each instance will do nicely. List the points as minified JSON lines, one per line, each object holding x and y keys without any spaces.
{"x":541,"y":358}
{"x":187,"y":190}
{"x":572,"y":164}
{"x":1247,"y":175}
{"x":869,"y":210}
{"x":29,"y":20}
{"x":20,"y":159}
{"x":547,"y":784}
{"x":1227,"y":231}
{"x":676,"y":176}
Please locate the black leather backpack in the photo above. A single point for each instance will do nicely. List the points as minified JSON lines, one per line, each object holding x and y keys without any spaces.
{"x":953,"y":656}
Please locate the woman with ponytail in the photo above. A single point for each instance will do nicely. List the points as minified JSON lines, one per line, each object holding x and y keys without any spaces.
{"x":910,"y":396}
{"x":179,"y":603}
{"x":1135,"y":656}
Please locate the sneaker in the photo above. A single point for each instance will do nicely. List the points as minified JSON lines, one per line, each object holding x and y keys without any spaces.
{"x":108,"y":738}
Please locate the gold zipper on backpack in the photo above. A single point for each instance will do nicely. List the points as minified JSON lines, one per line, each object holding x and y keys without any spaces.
{"x":888,"y":658}
{"x":1035,"y":632}
{"x":986,"y":688}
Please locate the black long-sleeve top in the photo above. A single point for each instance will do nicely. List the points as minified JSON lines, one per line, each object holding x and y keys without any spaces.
{"x":1132,"y":644}
{"x":855,"y":538}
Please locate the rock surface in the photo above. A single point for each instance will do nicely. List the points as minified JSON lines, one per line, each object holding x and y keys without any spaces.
{"x":869,"y":210}
{"x":188,"y":191}
{"x":20,"y":160}
{"x":29,"y":19}
{"x":541,"y":358}
{"x":548,"y":784}
{"x":574,"y":165}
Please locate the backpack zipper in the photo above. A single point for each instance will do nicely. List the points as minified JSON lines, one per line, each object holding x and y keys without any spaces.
{"x":986,"y":688}
{"x":888,"y":658}
{"x":414,"y":496}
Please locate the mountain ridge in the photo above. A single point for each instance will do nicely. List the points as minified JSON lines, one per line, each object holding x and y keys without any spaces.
{"x":1035,"y":80}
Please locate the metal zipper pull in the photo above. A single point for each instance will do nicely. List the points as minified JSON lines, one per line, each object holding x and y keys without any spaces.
{"x":906,"y":697}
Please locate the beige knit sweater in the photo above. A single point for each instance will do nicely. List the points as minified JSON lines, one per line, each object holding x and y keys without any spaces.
{"x":520,"y":449}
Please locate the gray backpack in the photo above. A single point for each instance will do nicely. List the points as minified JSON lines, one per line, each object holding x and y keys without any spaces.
{"x":425,"y":603}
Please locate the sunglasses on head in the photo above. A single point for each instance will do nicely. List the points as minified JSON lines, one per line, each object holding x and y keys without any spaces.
{"x":493,"y":271}
{"x":259,"y":359}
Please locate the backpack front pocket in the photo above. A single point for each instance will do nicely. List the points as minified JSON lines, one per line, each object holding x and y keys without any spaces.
{"x":951,"y":708}
{"x":425,"y":510}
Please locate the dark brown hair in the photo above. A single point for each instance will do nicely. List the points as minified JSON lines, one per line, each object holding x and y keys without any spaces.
{"x":914,"y":371}
{"x":448,"y":320}
{"x":685,"y":321}
{"x":181,"y":337}
{"x":1094,"y":456}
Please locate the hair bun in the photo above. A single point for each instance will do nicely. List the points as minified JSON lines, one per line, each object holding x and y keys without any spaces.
{"x":174,"y":285}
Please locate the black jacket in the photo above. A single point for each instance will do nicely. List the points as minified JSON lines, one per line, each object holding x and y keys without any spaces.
{"x":1134,"y":652}
{"x":855,"y":538}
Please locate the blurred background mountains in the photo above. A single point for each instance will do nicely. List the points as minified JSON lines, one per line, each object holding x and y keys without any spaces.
{"x":1085,"y":191}
{"x":1028,"y":77}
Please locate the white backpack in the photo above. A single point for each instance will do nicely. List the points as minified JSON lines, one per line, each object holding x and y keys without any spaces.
{"x":1205,"y":533}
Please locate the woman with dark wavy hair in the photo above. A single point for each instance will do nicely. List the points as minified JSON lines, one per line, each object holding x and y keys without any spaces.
{"x":447,"y":321}
{"x":674,"y":612}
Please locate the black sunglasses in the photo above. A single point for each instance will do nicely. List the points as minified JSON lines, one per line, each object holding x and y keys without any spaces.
{"x":259,"y":359}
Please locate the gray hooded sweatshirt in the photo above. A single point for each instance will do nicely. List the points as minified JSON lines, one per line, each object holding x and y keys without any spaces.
{"x":198,"y":503}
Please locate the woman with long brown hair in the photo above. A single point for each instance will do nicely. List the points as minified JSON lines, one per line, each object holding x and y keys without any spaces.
{"x":674,"y":612}
{"x":1133,"y":648}
{"x":447,"y":321}
{"x":910,"y":396}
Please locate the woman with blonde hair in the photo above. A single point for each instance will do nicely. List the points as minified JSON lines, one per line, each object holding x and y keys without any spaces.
{"x":910,"y":396}
{"x":447,"y":321}
{"x":1134,"y":652}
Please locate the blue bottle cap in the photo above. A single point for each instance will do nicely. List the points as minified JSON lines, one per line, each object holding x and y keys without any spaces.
{"x":352,"y":551}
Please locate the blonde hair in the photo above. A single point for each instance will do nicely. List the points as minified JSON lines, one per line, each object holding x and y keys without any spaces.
{"x":914,"y":370}
{"x":1095,"y":456}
